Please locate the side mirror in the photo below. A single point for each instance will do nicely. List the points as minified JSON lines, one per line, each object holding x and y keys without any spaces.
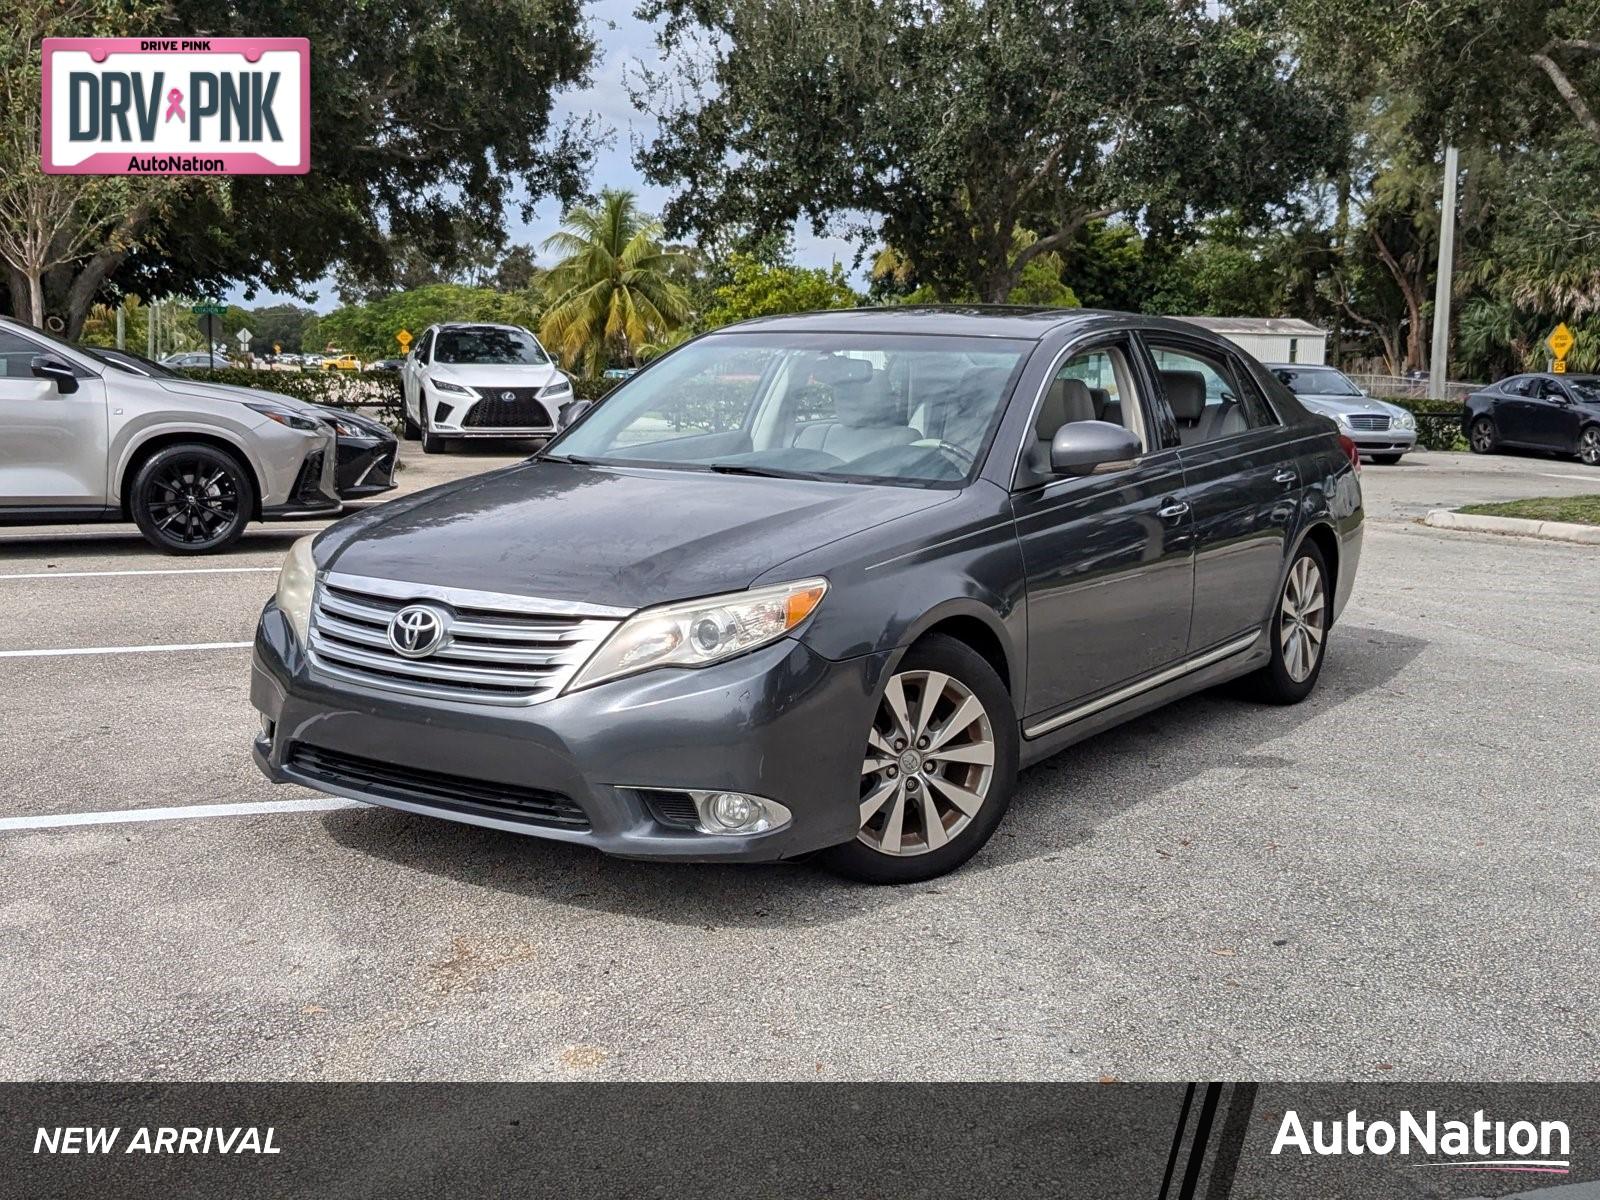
{"x":1083,"y":447}
{"x":571,"y":411}
{"x":45,"y":366}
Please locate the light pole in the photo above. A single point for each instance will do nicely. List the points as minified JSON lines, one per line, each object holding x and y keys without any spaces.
{"x":1438,"y":361}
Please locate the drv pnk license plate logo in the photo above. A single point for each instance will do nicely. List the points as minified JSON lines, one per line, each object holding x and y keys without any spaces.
{"x":177,"y":106}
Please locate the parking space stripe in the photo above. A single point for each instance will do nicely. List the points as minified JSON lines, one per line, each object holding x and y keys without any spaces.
{"x":180,"y":813}
{"x":170,"y":571}
{"x":77,"y":650}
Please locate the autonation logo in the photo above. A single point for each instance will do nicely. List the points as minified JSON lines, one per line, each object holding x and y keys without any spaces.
{"x":1476,"y":1144}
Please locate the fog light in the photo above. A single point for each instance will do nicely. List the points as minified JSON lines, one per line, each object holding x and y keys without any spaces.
{"x":737,"y":813}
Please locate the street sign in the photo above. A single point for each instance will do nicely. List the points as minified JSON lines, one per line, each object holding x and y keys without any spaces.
{"x":1559,"y":367}
{"x":209,"y":308}
{"x":1561,"y":341}
{"x":243,"y":338}
{"x":277,"y":347}
{"x":404,"y":338}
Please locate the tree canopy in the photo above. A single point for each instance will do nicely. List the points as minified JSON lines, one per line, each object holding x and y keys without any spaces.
{"x":941,"y":129}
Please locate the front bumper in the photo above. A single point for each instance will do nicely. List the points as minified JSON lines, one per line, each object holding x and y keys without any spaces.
{"x":592,"y":766}
{"x":315,"y":487}
{"x":365,"y":466}
{"x":1387,"y":441}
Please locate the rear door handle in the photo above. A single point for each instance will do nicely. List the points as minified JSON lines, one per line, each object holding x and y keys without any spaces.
{"x":1284,"y":477}
{"x":1172,"y":511}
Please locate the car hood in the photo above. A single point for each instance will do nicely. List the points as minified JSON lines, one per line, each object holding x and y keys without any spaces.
{"x":1346,"y":404}
{"x":622,"y":536}
{"x":490,"y":374}
{"x":227,"y":391}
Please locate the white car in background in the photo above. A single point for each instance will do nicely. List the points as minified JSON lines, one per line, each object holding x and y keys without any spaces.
{"x":1381,"y":431}
{"x":470,"y":379}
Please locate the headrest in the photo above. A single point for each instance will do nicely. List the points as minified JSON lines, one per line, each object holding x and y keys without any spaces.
{"x":1101,"y":398}
{"x":865,"y":401}
{"x":1067,"y":400}
{"x":838,"y":369}
{"x":1186,"y":393}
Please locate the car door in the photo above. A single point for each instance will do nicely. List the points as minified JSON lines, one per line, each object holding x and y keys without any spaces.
{"x":52,"y":443}
{"x":1108,"y":556}
{"x":1552,"y":419}
{"x":1514,"y":409}
{"x":1240,"y":479}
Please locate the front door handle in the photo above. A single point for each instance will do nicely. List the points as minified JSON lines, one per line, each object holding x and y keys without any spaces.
{"x":1284,"y":477}
{"x":1173,"y":511}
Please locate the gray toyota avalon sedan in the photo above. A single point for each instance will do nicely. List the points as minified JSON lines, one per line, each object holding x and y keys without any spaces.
{"x":819,"y":583}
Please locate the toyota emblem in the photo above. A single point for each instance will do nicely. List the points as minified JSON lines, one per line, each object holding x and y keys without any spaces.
{"x":416,"y":631}
{"x":508,"y":395}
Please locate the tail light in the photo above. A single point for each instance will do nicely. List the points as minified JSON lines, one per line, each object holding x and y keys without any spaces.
{"x":1351,"y":451}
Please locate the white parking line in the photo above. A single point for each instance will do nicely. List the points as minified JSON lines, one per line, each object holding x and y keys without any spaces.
{"x":76,"y":650}
{"x":1585,"y":478}
{"x":181,"y":813}
{"x":170,"y":571}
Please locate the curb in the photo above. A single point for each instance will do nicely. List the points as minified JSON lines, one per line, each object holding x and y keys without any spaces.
{"x":1555,"y":531}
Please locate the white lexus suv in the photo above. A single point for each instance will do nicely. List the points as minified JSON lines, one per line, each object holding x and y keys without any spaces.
{"x":466,"y":379}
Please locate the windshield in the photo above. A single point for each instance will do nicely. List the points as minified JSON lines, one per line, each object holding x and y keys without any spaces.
{"x":123,"y":360}
{"x":876,"y":408}
{"x":1321,"y":381}
{"x":488,"y":345}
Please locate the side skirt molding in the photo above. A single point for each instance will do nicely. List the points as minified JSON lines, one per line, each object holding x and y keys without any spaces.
{"x":1177,"y":671}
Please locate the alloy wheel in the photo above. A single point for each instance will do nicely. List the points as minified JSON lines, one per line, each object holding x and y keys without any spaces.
{"x":929,"y":764}
{"x":1589,"y":446}
{"x":192,"y":501}
{"x":1303,"y":619}
{"x":1483,"y":435}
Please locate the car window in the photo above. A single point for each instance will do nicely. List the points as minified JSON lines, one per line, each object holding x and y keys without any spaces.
{"x":1549,"y":389}
{"x":1094,"y":385}
{"x":891,"y":408}
{"x":1517,"y":385}
{"x":16,"y":356}
{"x":1316,"y":381}
{"x":1210,"y":393}
{"x":488,"y":344}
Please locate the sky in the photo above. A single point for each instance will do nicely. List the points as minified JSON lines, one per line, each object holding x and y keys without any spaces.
{"x":624,"y":43}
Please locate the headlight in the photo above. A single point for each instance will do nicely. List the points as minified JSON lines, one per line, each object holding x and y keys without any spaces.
{"x":1404,"y":420}
{"x":284,"y":417}
{"x":559,"y":390}
{"x":296,"y":583}
{"x":444,"y":385}
{"x":698,"y":632}
{"x":345,"y":428}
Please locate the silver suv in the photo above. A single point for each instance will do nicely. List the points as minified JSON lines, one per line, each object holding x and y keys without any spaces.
{"x":187,"y":462}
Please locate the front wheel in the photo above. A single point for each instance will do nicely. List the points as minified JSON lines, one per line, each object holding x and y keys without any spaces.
{"x":432,"y":443}
{"x":1483,"y":438}
{"x":1299,"y":631}
{"x":939,"y":770}
{"x":192,"y":498}
{"x":1589,"y":446}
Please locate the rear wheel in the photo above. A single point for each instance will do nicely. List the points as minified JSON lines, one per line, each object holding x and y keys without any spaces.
{"x":1483,"y":439}
{"x":1299,"y":631}
{"x":410,"y":428}
{"x":939,"y":771}
{"x":192,"y":498}
{"x":1589,"y":446}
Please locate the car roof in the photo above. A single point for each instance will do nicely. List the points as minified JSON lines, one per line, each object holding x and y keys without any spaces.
{"x":478,"y":325}
{"x":958,"y":320}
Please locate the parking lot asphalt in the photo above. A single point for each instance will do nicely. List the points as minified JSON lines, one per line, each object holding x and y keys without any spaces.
{"x":1396,"y":879}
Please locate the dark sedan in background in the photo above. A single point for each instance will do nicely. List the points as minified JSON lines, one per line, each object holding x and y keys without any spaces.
{"x":364,"y":448}
{"x":819,"y":583}
{"x":1559,"y":414}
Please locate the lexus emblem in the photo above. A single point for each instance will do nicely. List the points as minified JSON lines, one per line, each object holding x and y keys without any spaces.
{"x":416,"y":631}
{"x":508,"y":395}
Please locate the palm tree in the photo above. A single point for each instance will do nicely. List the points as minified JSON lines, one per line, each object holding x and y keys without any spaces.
{"x":615,"y":288}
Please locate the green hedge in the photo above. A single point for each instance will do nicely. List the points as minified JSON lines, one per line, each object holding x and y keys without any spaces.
{"x":1438,"y":421}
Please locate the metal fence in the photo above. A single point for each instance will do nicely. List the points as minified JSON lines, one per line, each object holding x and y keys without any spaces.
{"x":1416,"y":389}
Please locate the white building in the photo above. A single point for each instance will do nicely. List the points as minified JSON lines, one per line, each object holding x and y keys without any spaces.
{"x":1271,"y":339}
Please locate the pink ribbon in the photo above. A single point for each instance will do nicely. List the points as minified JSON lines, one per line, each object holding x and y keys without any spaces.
{"x":175,"y":105}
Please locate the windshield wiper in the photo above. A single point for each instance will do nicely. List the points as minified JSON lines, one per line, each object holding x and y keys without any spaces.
{"x":762,"y":472}
{"x":567,"y":458}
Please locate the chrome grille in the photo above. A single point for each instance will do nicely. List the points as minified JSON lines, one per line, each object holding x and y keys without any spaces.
{"x":496,"y":649}
{"x":1368,"y":424}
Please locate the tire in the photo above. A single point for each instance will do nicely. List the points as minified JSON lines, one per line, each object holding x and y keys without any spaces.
{"x":432,"y":443}
{"x":1482,"y":437}
{"x":1304,"y":608}
{"x":1589,"y":446}
{"x":982,"y":766}
{"x":1386,"y":460}
{"x":192,"y":498}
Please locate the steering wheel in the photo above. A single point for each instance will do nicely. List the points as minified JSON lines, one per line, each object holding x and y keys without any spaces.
{"x":964,"y":457}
